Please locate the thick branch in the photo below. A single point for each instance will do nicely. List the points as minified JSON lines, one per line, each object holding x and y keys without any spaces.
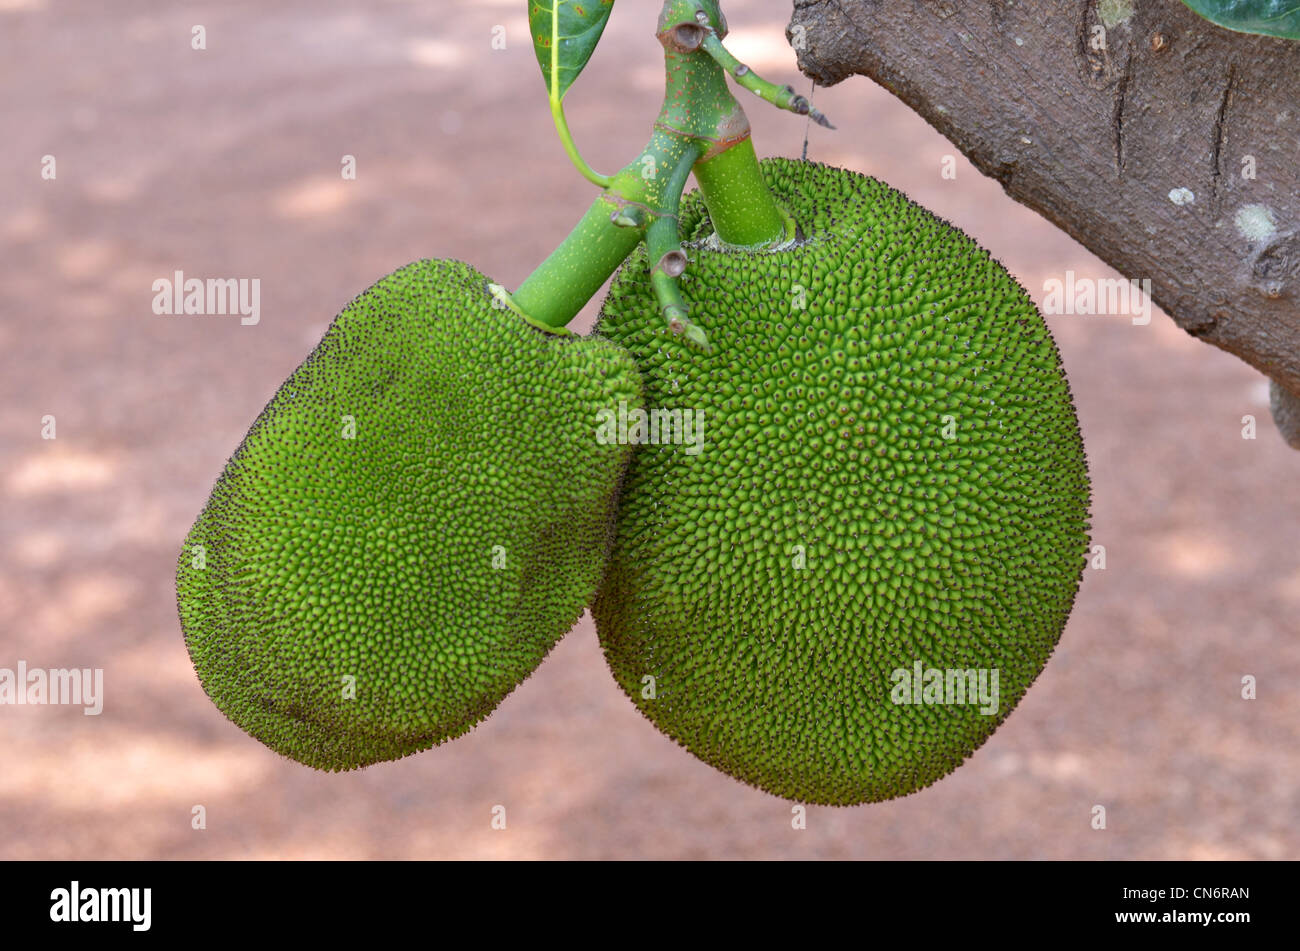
{"x":1092,"y":113}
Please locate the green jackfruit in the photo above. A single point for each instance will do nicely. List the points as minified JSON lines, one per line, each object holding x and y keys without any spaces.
{"x":417,"y":516}
{"x":886,"y":479}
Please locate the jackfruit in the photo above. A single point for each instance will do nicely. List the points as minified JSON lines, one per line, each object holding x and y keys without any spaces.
{"x":886,"y":480}
{"x":421,"y":511}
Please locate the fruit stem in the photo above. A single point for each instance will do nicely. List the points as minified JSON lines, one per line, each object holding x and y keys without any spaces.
{"x":700,"y":126}
{"x":638,"y":194}
{"x":741,"y":208}
{"x":699,"y":103}
{"x":571,"y":275}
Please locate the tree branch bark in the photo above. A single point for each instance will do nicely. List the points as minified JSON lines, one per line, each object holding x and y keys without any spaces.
{"x":1092,"y":112}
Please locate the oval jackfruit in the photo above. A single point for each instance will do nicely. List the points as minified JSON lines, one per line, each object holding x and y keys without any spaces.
{"x":841,"y":583}
{"x":418,"y":515}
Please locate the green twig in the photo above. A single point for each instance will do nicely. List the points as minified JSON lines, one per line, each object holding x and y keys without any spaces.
{"x":783,"y":97}
{"x":667,"y":260}
{"x":702,"y":127}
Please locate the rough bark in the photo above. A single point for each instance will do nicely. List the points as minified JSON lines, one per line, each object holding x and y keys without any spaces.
{"x":1095,"y":138}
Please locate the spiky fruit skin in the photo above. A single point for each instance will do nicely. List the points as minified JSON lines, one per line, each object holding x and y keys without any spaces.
{"x":891,"y":472}
{"x":436,"y":555}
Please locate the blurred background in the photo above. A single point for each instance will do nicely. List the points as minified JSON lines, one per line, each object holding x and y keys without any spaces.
{"x":226,"y":161}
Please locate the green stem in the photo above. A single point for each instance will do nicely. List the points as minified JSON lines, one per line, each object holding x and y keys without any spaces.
{"x":571,"y":148}
{"x":783,"y":97}
{"x":700,"y":126}
{"x":699,"y":103}
{"x":740,"y":205}
{"x":667,"y":261}
{"x":571,"y":275}
{"x":562,"y":284}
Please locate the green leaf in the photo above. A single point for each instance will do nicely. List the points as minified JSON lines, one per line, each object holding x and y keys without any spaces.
{"x":1269,"y":17}
{"x":565,"y":34}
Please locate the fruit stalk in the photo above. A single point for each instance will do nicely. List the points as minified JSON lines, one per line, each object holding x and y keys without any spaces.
{"x":740,"y":206}
{"x":700,"y":127}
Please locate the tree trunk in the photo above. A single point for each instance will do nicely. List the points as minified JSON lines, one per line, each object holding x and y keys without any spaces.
{"x":1167,"y":146}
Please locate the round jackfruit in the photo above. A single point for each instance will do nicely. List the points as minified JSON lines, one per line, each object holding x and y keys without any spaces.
{"x":839,"y":584}
{"x":418,"y":515}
